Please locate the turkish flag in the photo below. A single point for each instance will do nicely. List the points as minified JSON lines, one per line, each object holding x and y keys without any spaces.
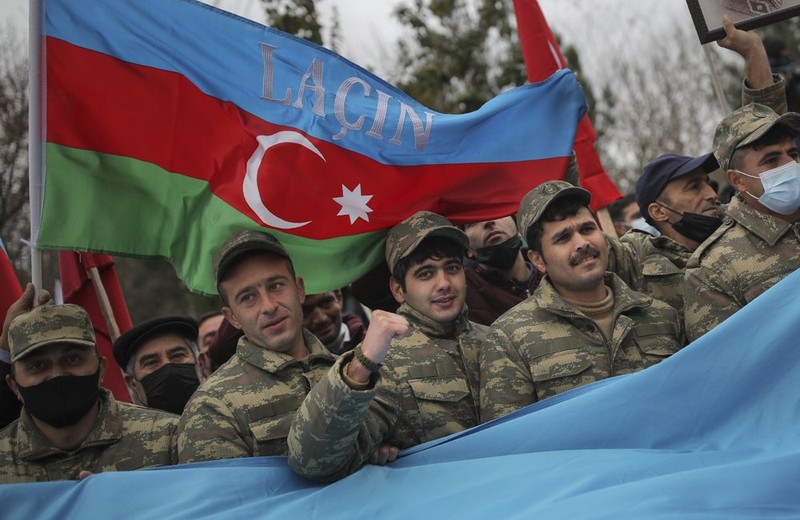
{"x":542,"y":58}
{"x":78,"y":289}
{"x":10,"y":289}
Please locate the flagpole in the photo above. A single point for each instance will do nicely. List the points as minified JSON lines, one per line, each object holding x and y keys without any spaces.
{"x":105,"y":305}
{"x":35,"y":163}
{"x":723,"y":103}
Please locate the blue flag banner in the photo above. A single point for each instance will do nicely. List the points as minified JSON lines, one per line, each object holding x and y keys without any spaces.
{"x":712,"y":432}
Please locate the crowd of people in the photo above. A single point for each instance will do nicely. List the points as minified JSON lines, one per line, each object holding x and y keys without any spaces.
{"x":486,"y":318}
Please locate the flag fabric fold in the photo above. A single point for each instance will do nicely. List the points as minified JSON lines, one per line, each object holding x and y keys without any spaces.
{"x":542,"y":58}
{"x":79,"y":289}
{"x":713,"y":432}
{"x":170,"y":123}
{"x":10,"y":289}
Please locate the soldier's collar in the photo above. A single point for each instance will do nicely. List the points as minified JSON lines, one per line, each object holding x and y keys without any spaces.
{"x":766,"y":227}
{"x":434,"y":328}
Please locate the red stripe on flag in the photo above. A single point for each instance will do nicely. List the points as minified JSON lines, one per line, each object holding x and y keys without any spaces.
{"x":10,"y":290}
{"x":78,"y":289}
{"x":96,"y":102}
{"x":543,"y":57}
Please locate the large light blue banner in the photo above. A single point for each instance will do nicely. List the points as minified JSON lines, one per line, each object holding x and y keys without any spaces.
{"x":713,"y":432}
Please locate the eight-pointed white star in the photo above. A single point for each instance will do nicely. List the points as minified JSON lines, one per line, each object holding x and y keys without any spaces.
{"x":354,"y":204}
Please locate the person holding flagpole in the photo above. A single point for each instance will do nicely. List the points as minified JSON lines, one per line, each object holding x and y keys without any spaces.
{"x":69,"y":426}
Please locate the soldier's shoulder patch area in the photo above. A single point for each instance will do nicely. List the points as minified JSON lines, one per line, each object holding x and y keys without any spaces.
{"x":694,"y":261}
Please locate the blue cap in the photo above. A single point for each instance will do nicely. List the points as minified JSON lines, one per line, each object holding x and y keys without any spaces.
{"x":658,"y":173}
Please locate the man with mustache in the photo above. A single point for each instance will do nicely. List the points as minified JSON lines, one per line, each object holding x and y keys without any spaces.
{"x":581,"y":324}
{"x":414,"y":378}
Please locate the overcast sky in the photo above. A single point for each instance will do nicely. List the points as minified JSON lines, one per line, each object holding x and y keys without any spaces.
{"x":596,"y":27}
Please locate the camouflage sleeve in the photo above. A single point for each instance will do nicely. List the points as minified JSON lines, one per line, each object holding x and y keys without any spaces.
{"x":208,"y":430}
{"x":506,"y":381}
{"x":707,"y":302}
{"x":623,"y":261}
{"x":773,"y":96}
{"x":336,"y":429}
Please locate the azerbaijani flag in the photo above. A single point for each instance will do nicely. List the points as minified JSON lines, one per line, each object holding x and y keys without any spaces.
{"x":10,"y":290}
{"x":542,"y":58}
{"x":170,"y":124}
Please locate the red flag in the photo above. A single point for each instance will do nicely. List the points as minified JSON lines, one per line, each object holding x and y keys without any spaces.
{"x":78,"y":289}
{"x":542,"y":58}
{"x":10,"y":289}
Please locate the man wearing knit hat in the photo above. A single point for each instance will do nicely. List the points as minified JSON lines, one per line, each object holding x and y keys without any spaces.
{"x":581,"y":324}
{"x":758,"y":243}
{"x":69,"y":426}
{"x":414,"y":378}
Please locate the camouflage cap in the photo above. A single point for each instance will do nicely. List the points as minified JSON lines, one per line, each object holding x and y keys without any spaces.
{"x":244,"y":241}
{"x":404,"y":238}
{"x":539,"y":198}
{"x":49,"y":324}
{"x":747,"y":125}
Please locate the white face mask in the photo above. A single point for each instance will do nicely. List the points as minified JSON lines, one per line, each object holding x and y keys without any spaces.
{"x":781,"y":188}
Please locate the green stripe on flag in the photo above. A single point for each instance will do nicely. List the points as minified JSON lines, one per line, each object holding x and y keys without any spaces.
{"x":117,"y":205}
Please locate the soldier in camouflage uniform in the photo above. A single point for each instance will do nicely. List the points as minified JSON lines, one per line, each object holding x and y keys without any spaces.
{"x":758,"y":243}
{"x":415,"y":376}
{"x":69,"y":426}
{"x":675,"y":197}
{"x":581,"y":324}
{"x":244,"y":409}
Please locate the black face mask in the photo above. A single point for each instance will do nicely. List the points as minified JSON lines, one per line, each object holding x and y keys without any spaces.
{"x":695,"y":226}
{"x":63,"y":400}
{"x":170,"y":387}
{"x":501,"y":256}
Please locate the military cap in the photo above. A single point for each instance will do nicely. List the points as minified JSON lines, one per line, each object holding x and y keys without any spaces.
{"x":245,"y":241}
{"x":406,"y":236}
{"x":539,"y":198}
{"x":747,"y":125}
{"x":49,"y":324}
{"x":126,"y":345}
{"x":659,"y":172}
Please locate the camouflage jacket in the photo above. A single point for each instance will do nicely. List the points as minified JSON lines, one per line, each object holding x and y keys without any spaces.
{"x":245,"y":408}
{"x":125,"y":437}
{"x":747,"y":255}
{"x":650,"y":265}
{"x":773,"y":96}
{"x":427,"y":388}
{"x":544,"y":346}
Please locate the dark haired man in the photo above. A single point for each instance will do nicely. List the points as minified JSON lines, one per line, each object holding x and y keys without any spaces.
{"x":502,"y":276}
{"x":245,"y":408}
{"x":323,"y":316}
{"x":581,"y":324}
{"x":69,"y":426}
{"x":415,"y":376}
{"x":758,"y":243}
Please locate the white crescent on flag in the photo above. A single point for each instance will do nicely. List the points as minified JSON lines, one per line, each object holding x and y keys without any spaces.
{"x":250,"y":185}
